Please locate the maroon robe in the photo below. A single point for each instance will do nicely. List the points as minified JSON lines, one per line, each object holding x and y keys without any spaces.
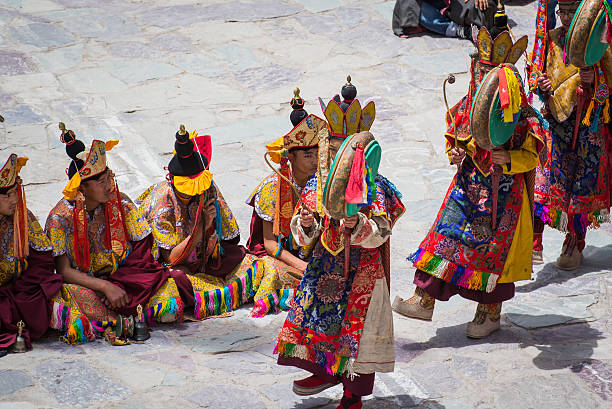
{"x":29,"y":299}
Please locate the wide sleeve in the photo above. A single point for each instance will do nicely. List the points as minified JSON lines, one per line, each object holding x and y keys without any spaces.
{"x":371,"y":232}
{"x":524,"y":159}
{"x":302,"y":236}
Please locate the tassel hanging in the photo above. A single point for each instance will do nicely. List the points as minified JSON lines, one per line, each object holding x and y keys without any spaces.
{"x":587,"y":117}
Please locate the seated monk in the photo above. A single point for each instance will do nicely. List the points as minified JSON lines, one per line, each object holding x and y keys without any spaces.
{"x":196,"y":231}
{"x":27,"y":279}
{"x":282,"y":261}
{"x":102,"y":246}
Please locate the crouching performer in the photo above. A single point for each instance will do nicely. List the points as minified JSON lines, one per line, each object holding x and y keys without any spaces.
{"x":197,"y":233}
{"x":102,"y":246}
{"x":480,"y":242}
{"x":282,"y":261}
{"x":27,"y":279}
{"x":340,"y":326}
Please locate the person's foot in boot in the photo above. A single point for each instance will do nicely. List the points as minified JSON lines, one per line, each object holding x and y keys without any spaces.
{"x":3,"y":352}
{"x":349,"y":401}
{"x":465,"y":32}
{"x":571,"y":253}
{"x":311,"y":385}
{"x":419,"y":306}
{"x":537,"y":258}
{"x":485,"y":322}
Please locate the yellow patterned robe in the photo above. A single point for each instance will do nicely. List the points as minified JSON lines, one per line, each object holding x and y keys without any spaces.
{"x":77,"y":309}
{"x":172,"y":222}
{"x":275,"y":281}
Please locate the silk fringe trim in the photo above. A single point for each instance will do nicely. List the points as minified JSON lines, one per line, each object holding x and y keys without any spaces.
{"x":449,"y":272}
{"x":334,"y":364}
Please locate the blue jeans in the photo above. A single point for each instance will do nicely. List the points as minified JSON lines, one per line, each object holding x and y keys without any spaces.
{"x":432,"y":19}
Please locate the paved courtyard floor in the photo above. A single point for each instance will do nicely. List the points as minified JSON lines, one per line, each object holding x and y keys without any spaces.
{"x":135,"y":70}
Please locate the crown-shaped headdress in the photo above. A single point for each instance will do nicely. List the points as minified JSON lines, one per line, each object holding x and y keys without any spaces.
{"x":347,"y":117}
{"x":85,"y":163}
{"x":10,"y":171}
{"x":501,"y":49}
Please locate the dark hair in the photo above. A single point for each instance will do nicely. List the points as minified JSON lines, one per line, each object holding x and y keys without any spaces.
{"x":303,"y":148}
{"x":4,"y":190}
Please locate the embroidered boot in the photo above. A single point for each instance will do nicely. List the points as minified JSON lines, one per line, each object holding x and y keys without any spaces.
{"x":349,"y":401}
{"x":571,"y":253}
{"x":485,"y":322}
{"x":311,"y":385}
{"x":419,"y":306}
{"x":538,"y":229}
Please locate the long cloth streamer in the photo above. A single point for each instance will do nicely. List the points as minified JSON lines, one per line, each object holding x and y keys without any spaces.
{"x":584,"y":94}
{"x":347,"y":251}
{"x":496,"y":173}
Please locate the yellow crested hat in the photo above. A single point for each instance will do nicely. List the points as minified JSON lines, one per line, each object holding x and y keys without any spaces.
{"x":10,"y":170}
{"x":85,"y":163}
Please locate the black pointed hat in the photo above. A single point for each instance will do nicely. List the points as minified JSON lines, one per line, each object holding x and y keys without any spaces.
{"x":188,"y":160}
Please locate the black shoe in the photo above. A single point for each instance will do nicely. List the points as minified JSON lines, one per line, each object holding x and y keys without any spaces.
{"x":3,"y":352}
{"x":465,"y":32}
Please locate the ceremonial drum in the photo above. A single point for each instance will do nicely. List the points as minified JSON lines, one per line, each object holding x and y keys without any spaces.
{"x":584,"y":43}
{"x":340,"y":170}
{"x":487,"y":125}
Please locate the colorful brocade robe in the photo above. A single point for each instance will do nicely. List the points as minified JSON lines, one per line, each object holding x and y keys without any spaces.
{"x":574,"y":190}
{"x":103,"y":261}
{"x":461,"y":246}
{"x":77,"y":310}
{"x":26,"y":286}
{"x":215,"y":292}
{"x":274,"y":282}
{"x":10,"y":267}
{"x":344,"y":326}
{"x":172,"y":221}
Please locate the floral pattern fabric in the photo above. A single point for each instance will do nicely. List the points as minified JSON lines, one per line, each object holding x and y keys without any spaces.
{"x":10,"y":267}
{"x":60,"y":231}
{"x":327,"y":315}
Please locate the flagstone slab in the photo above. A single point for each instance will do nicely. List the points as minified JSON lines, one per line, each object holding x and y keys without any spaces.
{"x":41,"y":35}
{"x":22,"y":115}
{"x":75,"y":383}
{"x":220,"y":396}
{"x":598,"y":376}
{"x":134,"y":49}
{"x":15,"y":63}
{"x":172,"y":42}
{"x":12,"y":380}
{"x":92,"y":80}
{"x":133,"y":72}
{"x":531,"y":312}
{"x":316,"y":6}
{"x":62,"y":58}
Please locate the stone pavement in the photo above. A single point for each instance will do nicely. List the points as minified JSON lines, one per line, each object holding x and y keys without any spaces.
{"x":135,"y":70}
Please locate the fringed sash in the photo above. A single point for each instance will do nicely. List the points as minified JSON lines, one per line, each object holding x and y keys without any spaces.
{"x":115,"y":238}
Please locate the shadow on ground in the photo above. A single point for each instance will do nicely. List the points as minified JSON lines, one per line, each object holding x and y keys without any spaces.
{"x":596,"y":259}
{"x":384,"y":402}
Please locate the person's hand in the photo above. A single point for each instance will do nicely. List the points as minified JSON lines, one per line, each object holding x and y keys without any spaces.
{"x":114,"y":296}
{"x":210,"y":213}
{"x":457,"y":155}
{"x":500,"y":157}
{"x":306,"y":217}
{"x":544,"y":83}
{"x":351,"y":222}
{"x":481,"y":5}
{"x":587,"y":75}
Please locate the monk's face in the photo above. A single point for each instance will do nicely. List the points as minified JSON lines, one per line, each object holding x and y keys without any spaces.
{"x":304,"y":162}
{"x":334,"y":146}
{"x":566,"y":14}
{"x":100,"y":190}
{"x":8,"y":202}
